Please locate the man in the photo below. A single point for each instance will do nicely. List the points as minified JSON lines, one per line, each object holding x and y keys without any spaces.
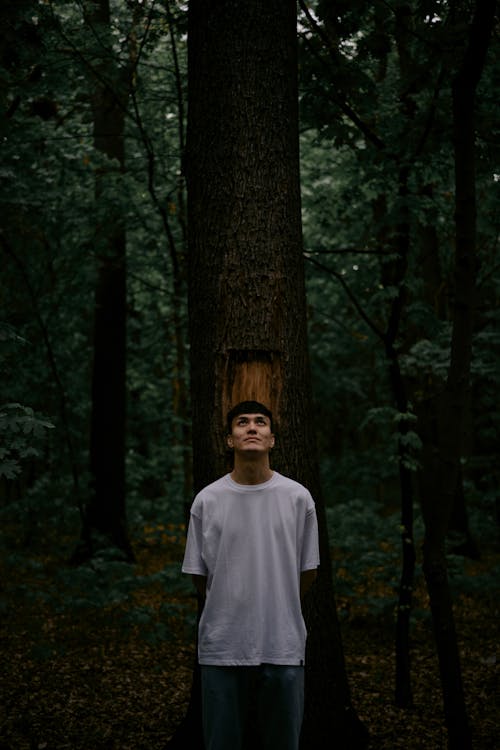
{"x":252,"y":549}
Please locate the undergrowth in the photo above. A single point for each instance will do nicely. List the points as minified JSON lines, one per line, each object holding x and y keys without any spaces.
{"x":366,"y":559}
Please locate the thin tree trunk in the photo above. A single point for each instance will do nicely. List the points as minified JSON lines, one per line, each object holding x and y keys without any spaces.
{"x":394,"y":274}
{"x":403,"y":689}
{"x":181,"y":406}
{"x":105,"y":519}
{"x":450,"y":413}
{"x":462,"y":542}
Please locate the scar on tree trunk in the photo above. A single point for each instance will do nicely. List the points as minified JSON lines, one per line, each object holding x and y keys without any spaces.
{"x":251,"y":376}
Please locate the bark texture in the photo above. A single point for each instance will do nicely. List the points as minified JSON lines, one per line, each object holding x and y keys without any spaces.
{"x":443,"y":443}
{"x":246,"y":287}
{"x":105,"y":516}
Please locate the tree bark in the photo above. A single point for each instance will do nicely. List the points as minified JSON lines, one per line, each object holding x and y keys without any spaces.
{"x":442,"y":457}
{"x":105,"y":517}
{"x":247,"y":306}
{"x":403,"y":689}
{"x":394,"y":274}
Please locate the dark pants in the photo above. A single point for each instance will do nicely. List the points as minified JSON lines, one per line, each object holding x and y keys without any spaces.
{"x":230,"y":695}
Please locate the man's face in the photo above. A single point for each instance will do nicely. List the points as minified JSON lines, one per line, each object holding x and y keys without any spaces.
{"x":251,"y":433}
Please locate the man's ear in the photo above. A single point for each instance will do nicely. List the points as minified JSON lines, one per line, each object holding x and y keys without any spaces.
{"x":273,"y":441}
{"x":229,"y":441}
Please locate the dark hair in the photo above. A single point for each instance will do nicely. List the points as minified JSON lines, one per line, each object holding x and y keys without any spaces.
{"x":247,"y":407}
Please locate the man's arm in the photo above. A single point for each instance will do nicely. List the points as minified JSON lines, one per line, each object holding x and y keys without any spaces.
{"x":307,"y":578}
{"x":200,"y":583}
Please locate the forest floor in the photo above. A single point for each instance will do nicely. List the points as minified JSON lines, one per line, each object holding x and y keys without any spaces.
{"x":78,"y":676}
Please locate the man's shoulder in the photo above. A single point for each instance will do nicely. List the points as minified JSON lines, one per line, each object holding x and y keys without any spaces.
{"x":212,"y":489}
{"x":292,"y":485}
{"x":216,"y":484}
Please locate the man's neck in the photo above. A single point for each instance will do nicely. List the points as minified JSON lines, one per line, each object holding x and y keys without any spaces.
{"x":249,"y":472}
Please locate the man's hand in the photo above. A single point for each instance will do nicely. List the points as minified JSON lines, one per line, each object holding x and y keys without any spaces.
{"x":307,"y":578}
{"x":200,"y":583}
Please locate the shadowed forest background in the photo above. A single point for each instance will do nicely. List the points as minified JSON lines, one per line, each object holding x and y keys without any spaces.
{"x":398,"y":126}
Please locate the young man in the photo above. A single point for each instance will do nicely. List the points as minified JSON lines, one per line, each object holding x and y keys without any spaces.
{"x":252,"y":549}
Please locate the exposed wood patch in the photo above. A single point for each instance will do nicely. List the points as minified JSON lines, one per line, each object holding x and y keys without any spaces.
{"x":252,"y":375}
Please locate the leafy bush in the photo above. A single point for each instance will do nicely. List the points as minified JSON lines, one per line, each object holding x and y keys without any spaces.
{"x":21,"y":432}
{"x":366,"y":547}
{"x":105,"y":590}
{"x":366,"y":552}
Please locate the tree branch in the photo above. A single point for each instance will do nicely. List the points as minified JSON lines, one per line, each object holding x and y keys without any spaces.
{"x":380,"y":334}
{"x":345,"y":251}
{"x":9,"y":250}
{"x":346,"y":108}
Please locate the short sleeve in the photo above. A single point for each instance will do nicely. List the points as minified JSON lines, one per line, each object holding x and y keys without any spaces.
{"x":193,"y":560}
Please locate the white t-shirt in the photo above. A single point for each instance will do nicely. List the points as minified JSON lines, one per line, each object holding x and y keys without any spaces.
{"x":252,"y":542}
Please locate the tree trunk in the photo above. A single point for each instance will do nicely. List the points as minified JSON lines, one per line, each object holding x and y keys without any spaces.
{"x":246,"y":288}
{"x":462,"y":541}
{"x":443,"y":457}
{"x":403,"y":690}
{"x":105,"y":518}
{"x":394,"y":274}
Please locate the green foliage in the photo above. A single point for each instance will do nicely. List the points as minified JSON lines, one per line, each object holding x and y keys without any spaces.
{"x":106,"y":588}
{"x":366,"y":560}
{"x":428,"y":358}
{"x":373,"y":104}
{"x":51,"y":237}
{"x":407,"y":443}
{"x":483,"y":583}
{"x":21,"y":432}
{"x":377,"y":162}
{"x":366,"y":546}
